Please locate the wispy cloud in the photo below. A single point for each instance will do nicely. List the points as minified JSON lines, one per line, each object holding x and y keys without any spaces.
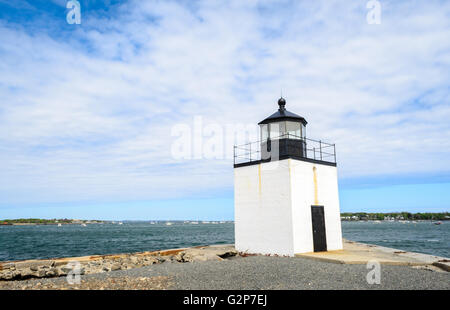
{"x":87,"y":110}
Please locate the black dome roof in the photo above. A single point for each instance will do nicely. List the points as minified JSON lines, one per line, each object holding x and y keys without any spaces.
{"x":283,"y":115}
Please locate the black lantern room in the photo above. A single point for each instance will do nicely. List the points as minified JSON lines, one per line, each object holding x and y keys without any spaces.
{"x":285,"y":131}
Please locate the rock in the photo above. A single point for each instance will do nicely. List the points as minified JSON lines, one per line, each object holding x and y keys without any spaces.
{"x":217,"y":253}
{"x":41,"y":273}
{"x":134,"y":260}
{"x":26,"y":273}
{"x":64,"y":270}
{"x":96,"y":264}
{"x":179,"y":257}
{"x":8,"y":266}
{"x":444,"y":264}
{"x":7,"y":276}
{"x":52,"y":272}
{"x":116,"y":266}
{"x":59,"y":263}
{"x":33,"y":264}
{"x":61,"y":271}
{"x":150,"y":260}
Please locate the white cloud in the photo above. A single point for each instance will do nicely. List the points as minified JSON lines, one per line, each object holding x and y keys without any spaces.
{"x":87,"y":114}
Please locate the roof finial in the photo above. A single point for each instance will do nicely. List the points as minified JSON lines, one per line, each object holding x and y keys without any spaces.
{"x":282,"y":103}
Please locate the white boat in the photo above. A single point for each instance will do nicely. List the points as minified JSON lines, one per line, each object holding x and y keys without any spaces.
{"x":194,"y":223}
{"x":168,"y":223}
{"x":84,"y":225}
{"x":59,"y":225}
{"x":120,"y":223}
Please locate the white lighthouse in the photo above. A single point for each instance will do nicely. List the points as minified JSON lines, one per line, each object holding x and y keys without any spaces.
{"x":286,"y":190}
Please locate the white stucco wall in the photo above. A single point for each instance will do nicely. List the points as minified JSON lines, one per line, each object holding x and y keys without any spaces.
{"x":263,"y":217}
{"x":302,"y":189}
{"x":273,"y":207}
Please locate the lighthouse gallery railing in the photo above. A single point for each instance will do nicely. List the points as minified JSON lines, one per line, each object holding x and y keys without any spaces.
{"x":315,"y":150}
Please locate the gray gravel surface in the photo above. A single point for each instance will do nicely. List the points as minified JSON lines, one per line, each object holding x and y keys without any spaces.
{"x":263,"y":272}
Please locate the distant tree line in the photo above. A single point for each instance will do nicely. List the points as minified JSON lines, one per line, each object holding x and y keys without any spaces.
{"x":36,"y":221}
{"x":441,"y":216}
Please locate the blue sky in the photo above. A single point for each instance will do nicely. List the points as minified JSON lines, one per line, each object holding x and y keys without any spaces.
{"x":86,"y":111}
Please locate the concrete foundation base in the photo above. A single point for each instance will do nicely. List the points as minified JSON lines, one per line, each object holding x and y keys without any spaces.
{"x":359,"y":253}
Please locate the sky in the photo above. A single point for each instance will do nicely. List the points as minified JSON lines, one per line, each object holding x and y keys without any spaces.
{"x":89,"y":112}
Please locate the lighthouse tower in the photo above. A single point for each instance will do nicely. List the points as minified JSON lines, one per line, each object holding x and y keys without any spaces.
{"x":286,"y":190}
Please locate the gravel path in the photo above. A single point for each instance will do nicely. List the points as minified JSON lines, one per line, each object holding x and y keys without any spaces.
{"x":253,"y":272}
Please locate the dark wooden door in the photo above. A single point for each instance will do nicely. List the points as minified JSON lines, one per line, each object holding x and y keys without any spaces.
{"x":318,"y":227}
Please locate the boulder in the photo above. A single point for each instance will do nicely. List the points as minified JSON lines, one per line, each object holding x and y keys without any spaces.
{"x":116,"y":266}
{"x":150,"y":260}
{"x":52,"y":272}
{"x":26,"y":273}
{"x":217,"y":253}
{"x":7,"y":275}
{"x":41,"y":273}
{"x":7,"y":266}
{"x":134,"y":260}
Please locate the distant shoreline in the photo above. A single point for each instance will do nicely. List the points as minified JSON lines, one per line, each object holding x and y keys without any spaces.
{"x":36,"y":221}
{"x":110,"y":222}
{"x":345,"y":216}
{"x":43,"y":224}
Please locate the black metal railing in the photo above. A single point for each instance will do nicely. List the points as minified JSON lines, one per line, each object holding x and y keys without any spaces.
{"x":264,"y":150}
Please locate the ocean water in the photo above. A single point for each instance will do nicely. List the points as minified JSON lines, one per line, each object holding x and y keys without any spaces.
{"x":34,"y":242}
{"x":422,"y":237}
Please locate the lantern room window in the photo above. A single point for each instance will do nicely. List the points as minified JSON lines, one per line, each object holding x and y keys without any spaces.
{"x":293,"y":130}
{"x":282,"y":130}
{"x":264,"y":132}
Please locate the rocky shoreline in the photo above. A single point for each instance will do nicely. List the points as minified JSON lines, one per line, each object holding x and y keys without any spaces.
{"x":222,"y":267}
{"x":50,"y":268}
{"x":353,"y":253}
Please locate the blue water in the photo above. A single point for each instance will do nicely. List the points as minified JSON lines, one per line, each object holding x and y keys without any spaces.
{"x":422,"y":237}
{"x":33,"y":242}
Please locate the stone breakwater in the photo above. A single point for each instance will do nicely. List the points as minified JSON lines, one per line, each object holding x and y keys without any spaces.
{"x":49,"y":268}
